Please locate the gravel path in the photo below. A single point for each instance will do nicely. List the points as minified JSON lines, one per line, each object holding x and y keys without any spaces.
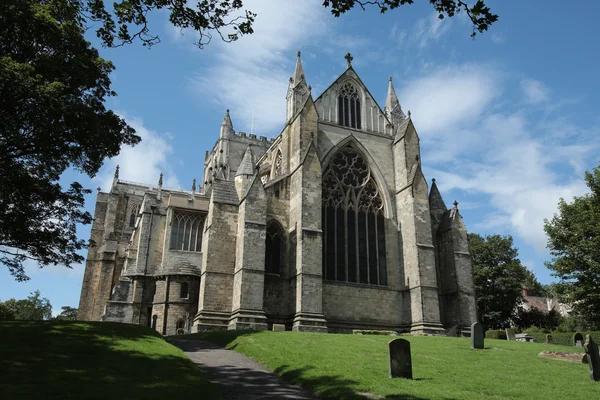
{"x":238,"y":377}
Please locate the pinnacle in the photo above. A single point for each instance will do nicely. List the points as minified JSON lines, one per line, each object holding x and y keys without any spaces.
{"x":247,"y":164}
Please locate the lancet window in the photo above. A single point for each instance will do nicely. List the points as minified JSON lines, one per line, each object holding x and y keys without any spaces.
{"x":274,"y":254}
{"x":133,"y":212}
{"x":184,"y":291}
{"x":278,"y":164}
{"x":353,"y":222}
{"x":186,"y":231}
{"x":348,"y":106}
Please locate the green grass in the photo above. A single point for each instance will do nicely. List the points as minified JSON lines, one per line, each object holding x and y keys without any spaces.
{"x":94,"y":360}
{"x":340,"y":366}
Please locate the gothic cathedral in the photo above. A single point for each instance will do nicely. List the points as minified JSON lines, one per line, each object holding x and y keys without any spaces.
{"x":329,"y":227}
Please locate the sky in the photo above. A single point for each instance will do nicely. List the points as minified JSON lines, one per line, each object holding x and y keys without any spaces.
{"x":508,"y":122}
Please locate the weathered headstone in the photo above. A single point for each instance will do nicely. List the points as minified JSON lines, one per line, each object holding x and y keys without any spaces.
{"x":278,"y":327}
{"x":524,"y":337}
{"x":548,"y":339}
{"x":578,"y":340}
{"x":400,"y":362}
{"x":591,"y":350}
{"x":510,"y":334}
{"x":477,"y":336}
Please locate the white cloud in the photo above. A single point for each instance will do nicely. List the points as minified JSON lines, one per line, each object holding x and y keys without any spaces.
{"x":431,"y":29}
{"x":498,"y":38}
{"x":255,"y":70}
{"x":472,"y":141}
{"x":449,"y":96}
{"x":535,"y":91}
{"x":142,"y":163}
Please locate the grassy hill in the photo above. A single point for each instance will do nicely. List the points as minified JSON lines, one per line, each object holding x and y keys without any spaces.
{"x":356,"y":367}
{"x":94,"y":360}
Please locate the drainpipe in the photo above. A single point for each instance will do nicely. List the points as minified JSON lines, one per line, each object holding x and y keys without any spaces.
{"x":146,"y":263}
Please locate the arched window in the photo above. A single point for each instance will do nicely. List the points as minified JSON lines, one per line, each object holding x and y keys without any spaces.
{"x":179,"y":327}
{"x":274,"y":254}
{"x":133,"y":214}
{"x":183,"y":292}
{"x":353,"y":222}
{"x":186,"y":231}
{"x":278,"y":164}
{"x":348,"y":106}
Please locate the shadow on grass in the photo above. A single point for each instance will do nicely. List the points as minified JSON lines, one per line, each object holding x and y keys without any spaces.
{"x":76,"y":360}
{"x":247,"y":382}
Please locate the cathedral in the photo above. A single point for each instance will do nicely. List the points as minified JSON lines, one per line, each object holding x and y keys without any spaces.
{"x":329,"y":227}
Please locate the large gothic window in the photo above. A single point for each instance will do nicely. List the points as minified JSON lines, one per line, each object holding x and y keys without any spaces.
{"x":186,"y":231}
{"x":353,"y":222}
{"x":348,"y":106}
{"x":274,"y":254}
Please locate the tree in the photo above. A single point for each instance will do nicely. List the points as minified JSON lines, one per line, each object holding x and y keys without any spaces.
{"x":480,"y":15}
{"x":67,"y":314}
{"x":498,"y":275}
{"x":128,"y":19}
{"x":534,"y":286}
{"x":574,"y":242}
{"x":53,"y":85}
{"x":33,"y":308}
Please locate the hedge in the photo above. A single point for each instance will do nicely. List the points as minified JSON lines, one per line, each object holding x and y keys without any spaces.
{"x":563,"y":338}
{"x":495,"y":334}
{"x":373,"y":332}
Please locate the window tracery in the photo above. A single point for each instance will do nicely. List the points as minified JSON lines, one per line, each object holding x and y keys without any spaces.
{"x":349,"y":106}
{"x":353,"y":221}
{"x":186,"y":231}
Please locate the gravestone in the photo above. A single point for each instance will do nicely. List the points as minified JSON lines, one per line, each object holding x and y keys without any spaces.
{"x":400,"y":362}
{"x":591,"y":350}
{"x":578,"y":340}
{"x":510,"y":334}
{"x":477,"y":336}
{"x":548,"y":339}
{"x":278,"y":327}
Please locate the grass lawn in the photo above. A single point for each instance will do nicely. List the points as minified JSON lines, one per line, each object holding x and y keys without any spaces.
{"x":94,"y":360}
{"x":340,"y":366}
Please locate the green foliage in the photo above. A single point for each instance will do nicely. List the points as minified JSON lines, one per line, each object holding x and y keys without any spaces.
{"x":546,"y":321}
{"x":67,"y":314}
{"x":33,"y":308}
{"x":574,"y":242}
{"x":338,"y":366}
{"x":561,"y":338}
{"x":53,"y":86}
{"x":480,"y":15}
{"x":534,"y":286}
{"x":495,"y":334}
{"x":94,"y":360}
{"x":498,"y":275}
{"x":373,"y":332}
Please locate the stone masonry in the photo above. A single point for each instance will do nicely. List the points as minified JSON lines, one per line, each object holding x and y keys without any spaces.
{"x":331,"y":226}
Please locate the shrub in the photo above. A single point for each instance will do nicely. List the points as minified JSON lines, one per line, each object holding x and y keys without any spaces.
{"x":373,"y":332}
{"x":495,"y":334}
{"x":563,"y":338}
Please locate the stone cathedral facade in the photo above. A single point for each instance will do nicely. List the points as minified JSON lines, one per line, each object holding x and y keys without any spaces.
{"x":331,"y":226}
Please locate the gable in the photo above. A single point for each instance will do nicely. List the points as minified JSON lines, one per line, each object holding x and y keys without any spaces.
{"x":373,"y":119}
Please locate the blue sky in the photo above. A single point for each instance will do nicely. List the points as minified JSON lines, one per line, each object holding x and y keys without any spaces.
{"x":508,"y":122}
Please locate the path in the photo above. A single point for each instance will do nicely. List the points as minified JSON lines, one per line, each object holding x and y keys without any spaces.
{"x":238,"y":377}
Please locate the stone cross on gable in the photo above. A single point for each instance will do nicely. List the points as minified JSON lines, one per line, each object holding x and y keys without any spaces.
{"x":349,"y":58}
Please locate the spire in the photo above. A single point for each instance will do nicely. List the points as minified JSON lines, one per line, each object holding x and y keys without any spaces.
{"x":226,"y":126}
{"x":115,"y":177}
{"x":392,"y":105}
{"x":247,"y":165}
{"x":298,"y":72}
{"x":194,"y":186}
{"x":436,"y":202}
